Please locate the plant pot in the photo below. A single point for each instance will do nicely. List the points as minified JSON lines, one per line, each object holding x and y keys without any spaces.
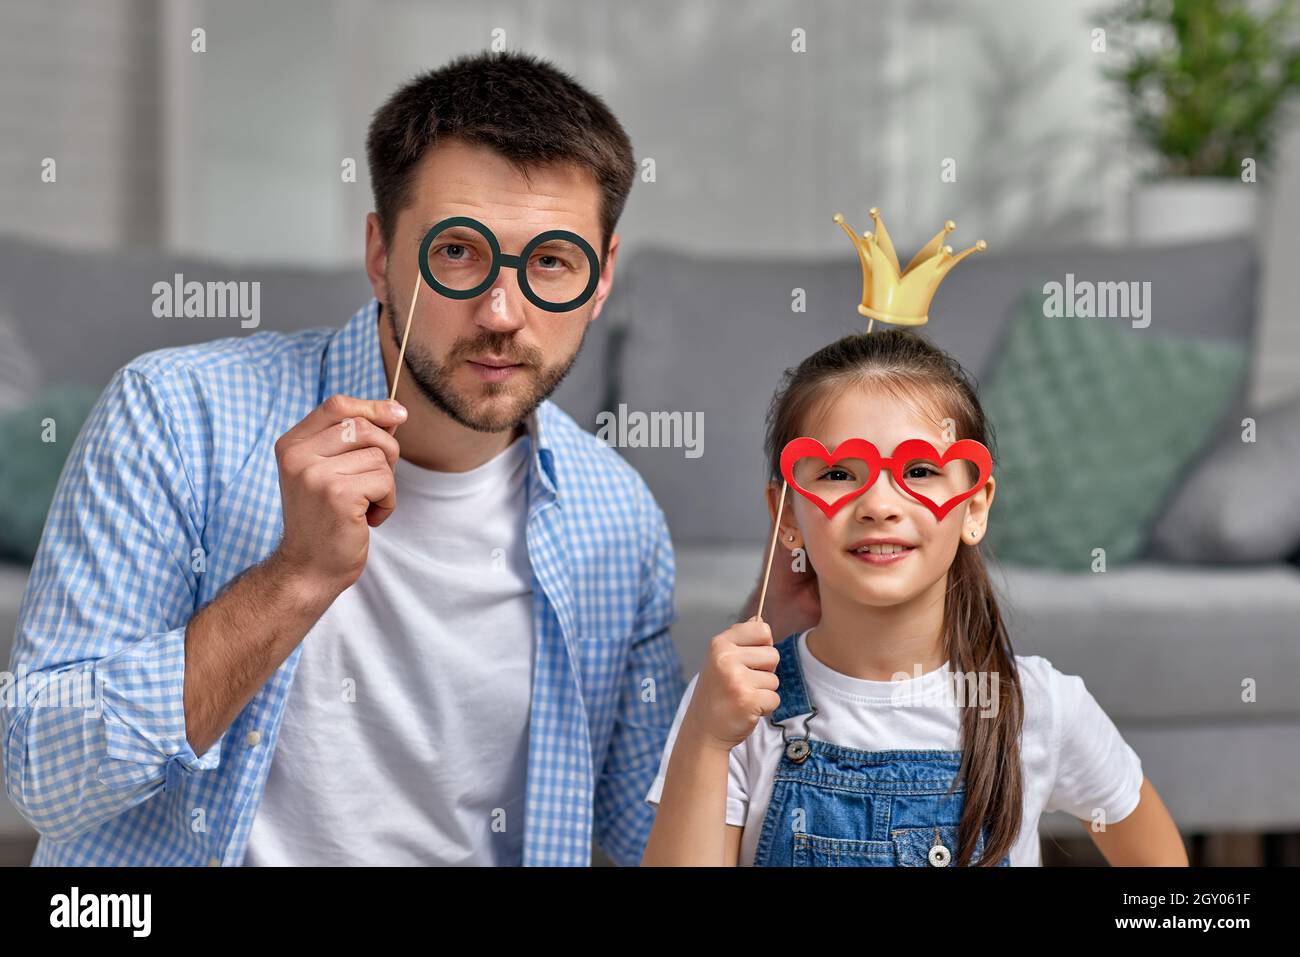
{"x":1187,"y":209}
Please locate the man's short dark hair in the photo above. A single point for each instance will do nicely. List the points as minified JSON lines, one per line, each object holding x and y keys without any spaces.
{"x":517,"y":104}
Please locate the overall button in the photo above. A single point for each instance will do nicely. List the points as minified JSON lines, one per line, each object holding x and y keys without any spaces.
{"x":930,"y":846}
{"x":797,"y":750}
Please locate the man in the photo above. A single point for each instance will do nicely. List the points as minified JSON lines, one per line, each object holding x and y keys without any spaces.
{"x":325,"y":632}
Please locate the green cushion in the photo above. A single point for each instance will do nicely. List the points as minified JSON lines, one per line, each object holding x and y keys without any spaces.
{"x":1094,"y":422}
{"x":30,"y":466}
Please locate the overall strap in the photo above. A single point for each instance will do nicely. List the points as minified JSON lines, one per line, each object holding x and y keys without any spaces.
{"x":794,"y":696}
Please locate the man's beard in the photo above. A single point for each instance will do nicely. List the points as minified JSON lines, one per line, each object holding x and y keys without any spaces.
{"x":434,"y":379}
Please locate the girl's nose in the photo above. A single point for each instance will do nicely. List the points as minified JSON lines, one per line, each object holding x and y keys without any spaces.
{"x":880,"y":502}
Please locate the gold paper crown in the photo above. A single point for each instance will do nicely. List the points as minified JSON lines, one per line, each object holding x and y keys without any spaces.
{"x":902,"y":297}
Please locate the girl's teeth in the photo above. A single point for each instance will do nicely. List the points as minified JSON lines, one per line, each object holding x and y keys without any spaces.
{"x":882,"y":549}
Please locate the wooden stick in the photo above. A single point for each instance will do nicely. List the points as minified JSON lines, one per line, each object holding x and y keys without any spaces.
{"x":776,"y":530}
{"x":411,"y":312}
{"x":771,"y":551}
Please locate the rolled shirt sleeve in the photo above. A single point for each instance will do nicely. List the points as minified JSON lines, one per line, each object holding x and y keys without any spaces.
{"x":111,"y":591}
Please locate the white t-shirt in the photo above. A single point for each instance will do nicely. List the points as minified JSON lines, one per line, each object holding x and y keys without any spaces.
{"x":405,"y":734}
{"x":1072,"y":755}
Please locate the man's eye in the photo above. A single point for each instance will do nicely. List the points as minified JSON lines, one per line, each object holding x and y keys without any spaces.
{"x":549,"y":261}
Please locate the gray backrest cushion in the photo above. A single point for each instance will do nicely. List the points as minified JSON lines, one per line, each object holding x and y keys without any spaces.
{"x":85,"y":314}
{"x":1242,"y":505}
{"x":712,"y":335}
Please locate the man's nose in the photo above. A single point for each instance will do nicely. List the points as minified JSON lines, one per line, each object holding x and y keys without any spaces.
{"x":502,"y":306}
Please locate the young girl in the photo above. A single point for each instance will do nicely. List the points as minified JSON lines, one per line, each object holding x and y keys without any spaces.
{"x":901,"y":729}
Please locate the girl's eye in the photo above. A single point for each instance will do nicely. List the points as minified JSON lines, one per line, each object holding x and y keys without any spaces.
{"x":924,"y":470}
{"x":837,"y":475}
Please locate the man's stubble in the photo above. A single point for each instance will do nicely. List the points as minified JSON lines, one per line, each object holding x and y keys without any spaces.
{"x":434,"y":379}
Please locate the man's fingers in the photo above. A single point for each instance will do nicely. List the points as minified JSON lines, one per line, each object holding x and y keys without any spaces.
{"x":358,"y":473}
{"x":376,"y":515}
{"x":339,"y":407}
{"x":344,"y":437}
{"x":357,"y":462}
{"x":376,"y":486}
{"x":354,"y":431}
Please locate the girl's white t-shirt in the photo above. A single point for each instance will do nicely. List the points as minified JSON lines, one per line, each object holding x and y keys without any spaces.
{"x":1073,"y":757}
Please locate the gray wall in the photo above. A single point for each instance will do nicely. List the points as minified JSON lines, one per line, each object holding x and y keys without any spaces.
{"x":236,"y":151}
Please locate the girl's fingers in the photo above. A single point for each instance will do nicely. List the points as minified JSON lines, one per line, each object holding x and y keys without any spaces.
{"x":752,"y":632}
{"x":758,"y":657}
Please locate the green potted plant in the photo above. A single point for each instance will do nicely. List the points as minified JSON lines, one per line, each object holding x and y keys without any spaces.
{"x":1206,"y":83}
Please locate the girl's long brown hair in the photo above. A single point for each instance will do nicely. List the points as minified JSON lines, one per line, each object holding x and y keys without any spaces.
{"x":907,"y":366}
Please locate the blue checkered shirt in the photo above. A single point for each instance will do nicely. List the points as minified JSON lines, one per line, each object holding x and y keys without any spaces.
{"x":177,"y":461}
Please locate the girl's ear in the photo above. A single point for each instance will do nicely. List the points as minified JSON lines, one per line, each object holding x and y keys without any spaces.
{"x":789,"y":536}
{"x":975,"y":523}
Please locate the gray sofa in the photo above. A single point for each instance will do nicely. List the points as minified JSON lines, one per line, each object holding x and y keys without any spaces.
{"x":1163,"y":645}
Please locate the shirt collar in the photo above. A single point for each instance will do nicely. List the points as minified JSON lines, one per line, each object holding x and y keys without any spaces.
{"x":354,"y":365}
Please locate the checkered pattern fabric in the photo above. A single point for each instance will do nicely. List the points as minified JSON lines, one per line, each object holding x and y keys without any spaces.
{"x":171,"y":489}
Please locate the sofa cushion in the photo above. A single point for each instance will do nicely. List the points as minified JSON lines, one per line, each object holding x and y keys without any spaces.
{"x":1093,"y":422}
{"x":1242,"y":504}
{"x":1155,"y":642}
{"x":1165,"y":642}
{"x":21,"y":375}
{"x":30,"y":466}
{"x":712,"y":335}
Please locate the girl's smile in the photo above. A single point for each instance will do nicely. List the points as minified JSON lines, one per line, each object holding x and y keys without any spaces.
{"x":881,"y":551}
{"x":884,"y":550}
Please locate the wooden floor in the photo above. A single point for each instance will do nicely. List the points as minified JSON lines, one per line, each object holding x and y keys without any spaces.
{"x":15,"y":852}
{"x":1203,"y":850}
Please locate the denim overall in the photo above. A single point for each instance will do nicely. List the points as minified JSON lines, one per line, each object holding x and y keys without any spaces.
{"x":833,"y":806}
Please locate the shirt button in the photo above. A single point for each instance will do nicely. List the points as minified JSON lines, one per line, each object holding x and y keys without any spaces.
{"x":254,"y":738}
{"x":214,"y":862}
